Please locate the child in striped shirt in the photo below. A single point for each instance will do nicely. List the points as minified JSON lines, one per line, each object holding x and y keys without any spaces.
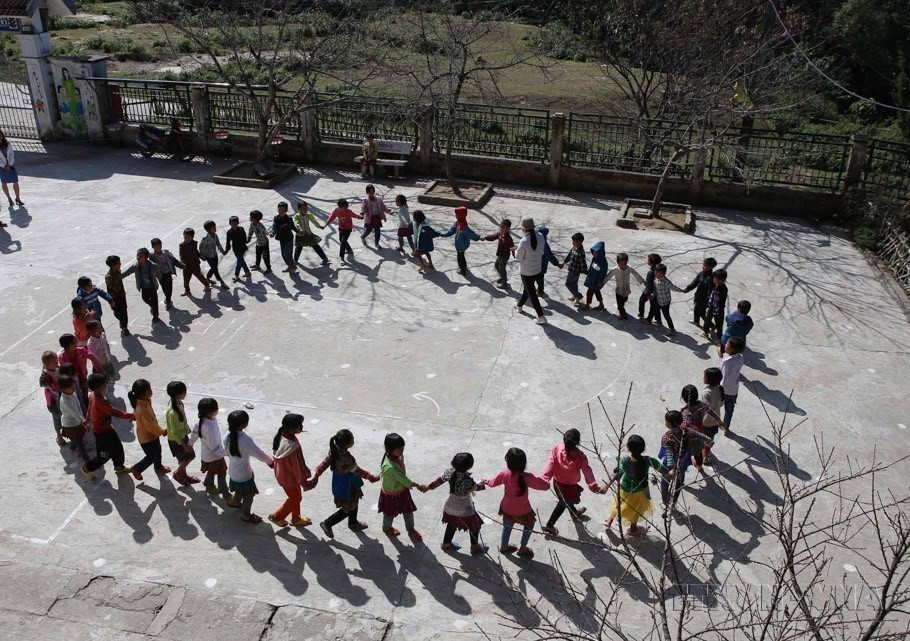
{"x":661,"y":296}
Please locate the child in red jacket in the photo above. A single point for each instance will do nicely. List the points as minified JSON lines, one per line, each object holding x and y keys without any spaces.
{"x":291,"y":471}
{"x":107,"y":443}
{"x":565,"y":467}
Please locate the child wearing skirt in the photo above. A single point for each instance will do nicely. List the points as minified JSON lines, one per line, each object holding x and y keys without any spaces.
{"x":565,"y":467}
{"x":178,"y":432}
{"x":405,"y":231}
{"x":347,"y":479}
{"x":458,"y":513}
{"x":242,"y":448}
{"x":212,"y":453}
{"x":515,"y":507}
{"x":634,"y":499}
{"x":395,"y":495}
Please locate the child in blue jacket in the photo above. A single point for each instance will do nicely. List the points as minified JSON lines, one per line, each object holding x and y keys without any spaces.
{"x":548,"y":257}
{"x":597,"y":276}
{"x":423,"y":237}
{"x":739,"y":323}
{"x":463,"y":237}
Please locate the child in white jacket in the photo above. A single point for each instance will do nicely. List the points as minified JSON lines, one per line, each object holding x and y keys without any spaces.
{"x":212,"y":451}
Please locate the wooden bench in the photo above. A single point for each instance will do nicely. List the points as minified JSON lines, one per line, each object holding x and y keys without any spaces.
{"x":398,"y":147}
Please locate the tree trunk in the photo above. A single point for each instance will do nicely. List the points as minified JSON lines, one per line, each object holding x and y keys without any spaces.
{"x":662,"y":184}
{"x":450,"y":173}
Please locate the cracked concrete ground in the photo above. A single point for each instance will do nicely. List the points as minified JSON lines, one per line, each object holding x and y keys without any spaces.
{"x":375,"y":347}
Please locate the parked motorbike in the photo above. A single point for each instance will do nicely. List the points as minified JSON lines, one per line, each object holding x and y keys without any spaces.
{"x":172,"y":141}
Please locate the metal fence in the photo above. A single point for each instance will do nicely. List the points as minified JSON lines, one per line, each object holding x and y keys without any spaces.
{"x":816,"y":162}
{"x":345,"y":119}
{"x":887,"y":171}
{"x":17,"y":115}
{"x":502,"y":132}
{"x":794,"y":159}
{"x":233,"y":111}
{"x":625,"y":144}
{"x":158,"y":102}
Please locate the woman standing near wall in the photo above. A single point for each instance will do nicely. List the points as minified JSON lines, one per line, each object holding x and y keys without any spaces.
{"x":8,"y":175}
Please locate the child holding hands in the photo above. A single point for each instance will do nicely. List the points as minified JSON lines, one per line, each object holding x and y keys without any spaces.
{"x":291,"y":472}
{"x":395,"y":495}
{"x":565,"y":467}
{"x":347,"y":479}
{"x":515,"y":507}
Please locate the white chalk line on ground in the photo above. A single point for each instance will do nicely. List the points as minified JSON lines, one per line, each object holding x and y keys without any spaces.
{"x":613,"y":382}
{"x":45,"y":323}
{"x":61,"y":527}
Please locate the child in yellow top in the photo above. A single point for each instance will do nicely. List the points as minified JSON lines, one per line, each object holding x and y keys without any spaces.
{"x":148,"y":432}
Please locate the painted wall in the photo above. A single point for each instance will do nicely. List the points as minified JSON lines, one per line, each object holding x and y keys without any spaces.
{"x":79,"y":114}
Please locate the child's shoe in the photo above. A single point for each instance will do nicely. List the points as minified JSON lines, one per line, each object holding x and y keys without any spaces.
{"x":121,"y":469}
{"x":450,"y":547}
{"x":229,"y":500}
{"x":61,"y":442}
{"x":525,"y":552}
{"x":303,"y":521}
{"x":507,"y":549}
{"x":88,"y":475}
{"x":359,"y":526}
{"x":136,"y":475}
{"x":549,"y":529}
{"x":277,"y":521}
{"x":327,"y":529}
{"x":211,"y":489}
{"x":164,"y":469}
{"x":576,"y":516}
{"x":416,"y":536}
{"x":479,"y":549}
{"x":541,"y":320}
{"x":390,"y":531}
{"x":600,"y":308}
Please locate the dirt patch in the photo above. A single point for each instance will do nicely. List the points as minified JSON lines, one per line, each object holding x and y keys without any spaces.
{"x":472,"y":195}
{"x":636,"y":214}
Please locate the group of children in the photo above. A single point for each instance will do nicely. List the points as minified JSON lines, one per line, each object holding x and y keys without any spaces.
{"x":79,"y":403}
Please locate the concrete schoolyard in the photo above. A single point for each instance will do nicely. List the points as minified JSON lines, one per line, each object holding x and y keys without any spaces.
{"x":375,"y":347}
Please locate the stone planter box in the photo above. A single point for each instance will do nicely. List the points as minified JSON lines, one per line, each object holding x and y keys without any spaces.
{"x":474,"y":195}
{"x":244,"y":174}
{"x":636,"y":214}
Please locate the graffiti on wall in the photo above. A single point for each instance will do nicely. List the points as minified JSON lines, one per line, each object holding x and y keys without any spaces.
{"x":72,"y":109}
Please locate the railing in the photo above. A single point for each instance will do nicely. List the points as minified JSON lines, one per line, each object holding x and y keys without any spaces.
{"x":140,"y":101}
{"x":815,"y":162}
{"x":887,"y":171}
{"x":794,"y":159}
{"x":343,"y":119}
{"x":502,"y":132}
{"x":625,"y":144}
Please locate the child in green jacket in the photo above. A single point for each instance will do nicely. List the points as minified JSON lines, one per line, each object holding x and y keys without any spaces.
{"x":395,"y":496}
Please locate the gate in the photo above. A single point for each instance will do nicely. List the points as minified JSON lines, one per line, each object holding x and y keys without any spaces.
{"x":17,"y":113}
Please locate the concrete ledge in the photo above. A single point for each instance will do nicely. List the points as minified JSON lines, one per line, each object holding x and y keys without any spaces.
{"x":444,"y":197}
{"x":244,"y":174}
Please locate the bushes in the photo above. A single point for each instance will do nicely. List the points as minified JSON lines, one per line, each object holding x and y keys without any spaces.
{"x":58,"y":23}
{"x":557,"y":41}
{"x":122,"y":48}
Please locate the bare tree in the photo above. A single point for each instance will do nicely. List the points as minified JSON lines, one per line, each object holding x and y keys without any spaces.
{"x":264,"y":48}
{"x":706,"y":68}
{"x":842,"y":510}
{"x":459,"y":46}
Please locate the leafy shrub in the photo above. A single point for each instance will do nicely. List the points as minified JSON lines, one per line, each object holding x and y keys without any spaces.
{"x":58,"y":23}
{"x":557,"y":41}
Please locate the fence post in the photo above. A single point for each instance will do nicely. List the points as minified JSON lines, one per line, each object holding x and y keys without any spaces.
{"x":557,"y":143}
{"x":425,"y":141}
{"x":859,"y":153}
{"x":199,"y":106}
{"x":309,"y":127}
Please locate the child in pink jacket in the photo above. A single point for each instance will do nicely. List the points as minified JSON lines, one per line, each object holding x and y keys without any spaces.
{"x":515,"y":506}
{"x":565,"y":466}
